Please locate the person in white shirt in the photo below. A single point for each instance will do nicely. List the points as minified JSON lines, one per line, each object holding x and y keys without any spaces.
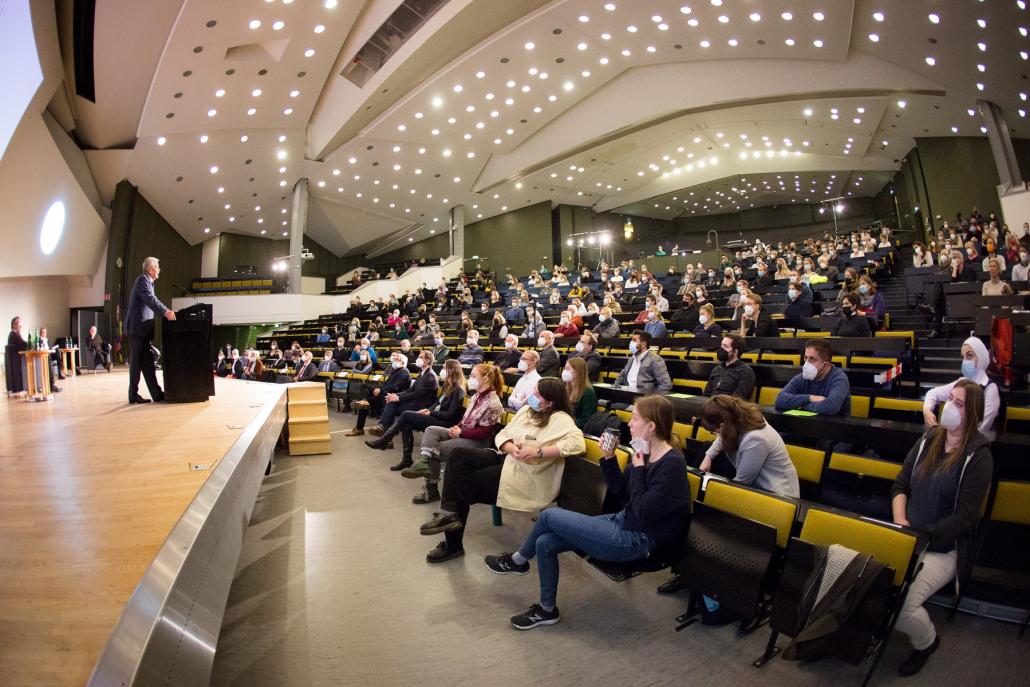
{"x":527,"y":384}
{"x":1021,"y":270}
{"x":661,"y":301}
{"x":975,"y":359}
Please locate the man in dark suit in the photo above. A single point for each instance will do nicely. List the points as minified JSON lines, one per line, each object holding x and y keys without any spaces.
{"x":236,"y":365}
{"x":139,"y":327}
{"x":221,"y":367}
{"x":550,"y":362}
{"x":420,"y":395}
{"x":307,"y":369}
{"x":398,"y":380}
{"x":328,"y":364}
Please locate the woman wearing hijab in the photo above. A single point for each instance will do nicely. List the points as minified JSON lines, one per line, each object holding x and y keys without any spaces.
{"x":975,"y":359}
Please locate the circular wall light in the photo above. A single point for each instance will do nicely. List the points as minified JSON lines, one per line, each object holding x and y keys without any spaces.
{"x":52,"y":228}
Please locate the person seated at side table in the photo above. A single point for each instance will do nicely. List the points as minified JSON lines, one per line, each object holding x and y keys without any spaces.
{"x":101,"y":351}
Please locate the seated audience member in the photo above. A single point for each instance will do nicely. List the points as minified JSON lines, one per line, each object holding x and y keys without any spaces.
{"x":440,"y":351}
{"x":852,"y":321}
{"x":221,"y":368}
{"x":508,"y":359}
{"x":645,"y":371}
{"x":101,"y":351}
{"x":534,"y":324}
{"x":592,"y":317}
{"x":527,"y":383}
{"x":655,"y":498}
{"x":995,"y":286}
{"x":586,"y":349}
{"x":306,"y":371}
{"x":405,"y":348}
{"x":755,"y":449}
{"x":566,"y":328}
{"x":254,"y":369}
{"x":328,"y":364}
{"x":961,"y":269}
{"x":515,"y":314}
{"x":732,"y":376}
{"x":796,"y":306}
{"x":363,"y":365}
{"x":419,"y":395}
{"x":550,"y":361}
{"x":475,"y":429}
{"x":1021,"y":269}
{"x":422,"y":335}
{"x":684,"y":318}
{"x":920,"y":256}
{"x":364,"y":346}
{"x":498,"y":326}
{"x":323,"y":336}
{"x":755,"y":320}
{"x":341,"y":353}
{"x":581,"y":393}
{"x":472,"y":353}
{"x":822,"y":387}
{"x":975,"y":360}
{"x":872,"y":302}
{"x":655,"y":325}
{"x":236,"y":365}
{"x":445,"y":412}
{"x":607,"y":326}
{"x":397,"y":380}
{"x":539,"y":438}
{"x":764,"y":277}
{"x":992,"y":254}
{"x":940,"y":491}
{"x":276,"y":361}
{"x":706,"y":326}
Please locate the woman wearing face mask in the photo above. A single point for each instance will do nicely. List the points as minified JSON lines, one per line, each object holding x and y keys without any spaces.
{"x":706,"y":326}
{"x":499,"y":327}
{"x":797,"y":306}
{"x":444,"y":413}
{"x":939,"y":491}
{"x":782,"y":269}
{"x":655,"y":496}
{"x":852,"y":322}
{"x":849,"y":283}
{"x":920,"y":256}
{"x":566,"y":327}
{"x":975,"y":359}
{"x":655,"y":324}
{"x":1021,"y":270}
{"x":750,"y":443}
{"x":523,"y":474}
{"x":700,"y":295}
{"x":873,"y":303}
{"x":581,"y":393}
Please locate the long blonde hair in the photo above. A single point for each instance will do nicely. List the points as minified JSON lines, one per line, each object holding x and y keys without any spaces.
{"x":455,"y":377}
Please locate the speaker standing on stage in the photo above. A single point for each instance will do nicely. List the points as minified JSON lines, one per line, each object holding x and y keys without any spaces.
{"x":139,"y":326}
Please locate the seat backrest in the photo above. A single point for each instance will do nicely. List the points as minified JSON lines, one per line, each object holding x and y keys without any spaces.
{"x":767,"y":396}
{"x":859,"y":406}
{"x":754,"y":505}
{"x":862,"y":466}
{"x":593,"y":452}
{"x":890,"y":546}
{"x":694,"y":479}
{"x":1012,"y":503}
{"x":808,"y":462}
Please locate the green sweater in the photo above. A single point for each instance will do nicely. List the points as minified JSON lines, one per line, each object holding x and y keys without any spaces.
{"x":585,"y":406}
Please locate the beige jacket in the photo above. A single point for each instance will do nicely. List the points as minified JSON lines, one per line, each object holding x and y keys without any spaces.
{"x":531,"y":486}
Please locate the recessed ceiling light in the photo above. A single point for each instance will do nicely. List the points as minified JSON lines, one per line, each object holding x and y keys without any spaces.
{"x":982,"y":23}
{"x":818,"y":16}
{"x":244,"y":138}
{"x":568,"y":85}
{"x":663,"y":27}
{"x":789,"y":42}
{"x":319,"y":28}
{"x":255,"y":24}
{"x":584,"y":18}
{"x":902,"y":104}
{"x":732,"y":42}
{"x":817,"y":43}
{"x":161,"y":140}
{"x":278,"y":26}
{"x":207,"y":230}
{"x":256,"y":92}
{"x":330,"y":4}
{"x":203,"y":138}
{"x":281,"y":154}
{"x":480,"y":75}
{"x":693,"y":23}
{"x":723,"y":19}
{"x":879,"y":16}
{"x":610,"y":6}
{"x":631,"y":28}
{"x":755,"y":16}
{"x":529,"y":45}
{"x":581,"y":46}
{"x":309,"y":53}
{"x":606,"y":36}
{"x":214,"y":169}
{"x":808,"y":112}
{"x":288,"y":111}
{"x":603,"y":60}
{"x":220,"y":92}
{"x":787,"y":16}
{"x":212,"y":112}
{"x":875,"y":38}
{"x":446,"y":152}
{"x":457,"y":88}
{"x":931,"y":60}
{"x":934,"y":18}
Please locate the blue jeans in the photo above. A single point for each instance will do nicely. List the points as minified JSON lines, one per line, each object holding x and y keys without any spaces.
{"x":602,"y":537}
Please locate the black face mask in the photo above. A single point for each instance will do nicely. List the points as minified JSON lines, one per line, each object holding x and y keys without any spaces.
{"x":848,"y":312}
{"x":722,"y":355}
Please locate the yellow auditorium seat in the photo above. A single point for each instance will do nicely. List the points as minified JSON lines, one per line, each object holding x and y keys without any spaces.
{"x":775,"y":511}
{"x":890,"y":546}
{"x":808,"y":462}
{"x":767,"y":396}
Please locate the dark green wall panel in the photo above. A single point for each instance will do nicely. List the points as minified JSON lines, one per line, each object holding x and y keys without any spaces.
{"x":519,"y":240}
{"x":431,"y":249}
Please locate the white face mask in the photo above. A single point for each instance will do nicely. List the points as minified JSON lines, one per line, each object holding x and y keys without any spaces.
{"x":749,"y":309}
{"x":579,"y":347}
{"x":640,"y":444}
{"x":443,"y":374}
{"x":809,"y":371}
{"x":602,"y":318}
{"x":567,"y":376}
{"x":509,"y":345}
{"x":419,"y":363}
{"x":473,"y":383}
{"x":703,"y":319}
{"x":396,"y":364}
{"x":699,"y":293}
{"x":470,"y":341}
{"x":951,"y":416}
{"x":523,"y":366}
{"x":541,"y":342}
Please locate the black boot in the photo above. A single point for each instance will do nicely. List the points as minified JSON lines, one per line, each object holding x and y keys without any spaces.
{"x":407,"y":446}
{"x":385,"y":441}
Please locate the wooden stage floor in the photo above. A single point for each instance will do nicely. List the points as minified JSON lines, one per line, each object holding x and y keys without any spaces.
{"x":90,"y":487}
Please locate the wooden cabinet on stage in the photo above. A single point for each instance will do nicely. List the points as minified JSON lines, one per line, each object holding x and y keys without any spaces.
{"x":308,"y":419}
